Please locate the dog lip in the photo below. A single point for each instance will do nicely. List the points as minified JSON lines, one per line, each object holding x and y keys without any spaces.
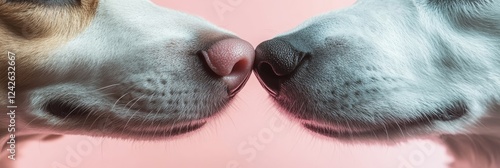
{"x":328,"y":131}
{"x":346,"y":132}
{"x":170,"y":130}
{"x":319,"y":127}
{"x":453,"y":112}
{"x":63,"y":109}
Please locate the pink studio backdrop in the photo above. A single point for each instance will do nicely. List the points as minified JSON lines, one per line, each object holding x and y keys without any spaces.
{"x":251,"y":133}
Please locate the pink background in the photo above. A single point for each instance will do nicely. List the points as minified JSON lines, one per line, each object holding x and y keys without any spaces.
{"x":227,"y":141}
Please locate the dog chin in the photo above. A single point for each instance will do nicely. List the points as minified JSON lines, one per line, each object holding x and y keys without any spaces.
{"x":387,"y":130}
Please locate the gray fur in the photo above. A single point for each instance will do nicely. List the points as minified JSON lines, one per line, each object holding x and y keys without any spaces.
{"x":382,"y":64}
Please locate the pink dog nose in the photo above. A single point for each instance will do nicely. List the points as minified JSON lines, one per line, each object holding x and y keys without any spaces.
{"x":232,"y":59}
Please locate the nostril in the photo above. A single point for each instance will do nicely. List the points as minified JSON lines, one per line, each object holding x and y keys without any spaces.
{"x":240,"y":66}
{"x":238,"y":76}
{"x":268,"y":78}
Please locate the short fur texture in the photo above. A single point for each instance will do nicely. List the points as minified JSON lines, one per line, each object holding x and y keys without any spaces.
{"x":114,"y":68}
{"x":397,"y":69}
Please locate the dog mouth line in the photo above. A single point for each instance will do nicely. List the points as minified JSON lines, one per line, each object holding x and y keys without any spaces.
{"x":453,"y":112}
{"x":76,"y":110}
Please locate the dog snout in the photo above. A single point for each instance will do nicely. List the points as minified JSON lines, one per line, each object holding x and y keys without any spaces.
{"x":231,"y":59}
{"x":276,"y":59}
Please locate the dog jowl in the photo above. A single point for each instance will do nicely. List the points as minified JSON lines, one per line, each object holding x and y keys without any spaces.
{"x":116,"y":68}
{"x":394,"y":69}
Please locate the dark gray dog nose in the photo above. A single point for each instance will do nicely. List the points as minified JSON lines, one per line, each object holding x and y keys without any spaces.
{"x":275,"y":60}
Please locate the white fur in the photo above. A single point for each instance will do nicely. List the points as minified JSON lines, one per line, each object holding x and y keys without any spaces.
{"x":134,"y":67}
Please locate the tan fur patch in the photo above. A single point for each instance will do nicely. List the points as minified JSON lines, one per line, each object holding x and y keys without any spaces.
{"x":31,"y":31}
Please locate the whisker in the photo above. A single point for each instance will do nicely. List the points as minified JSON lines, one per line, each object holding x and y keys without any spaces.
{"x":142,"y":123}
{"x":126,"y":124}
{"x":159,"y":123}
{"x":106,"y":87}
{"x":32,"y":121}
